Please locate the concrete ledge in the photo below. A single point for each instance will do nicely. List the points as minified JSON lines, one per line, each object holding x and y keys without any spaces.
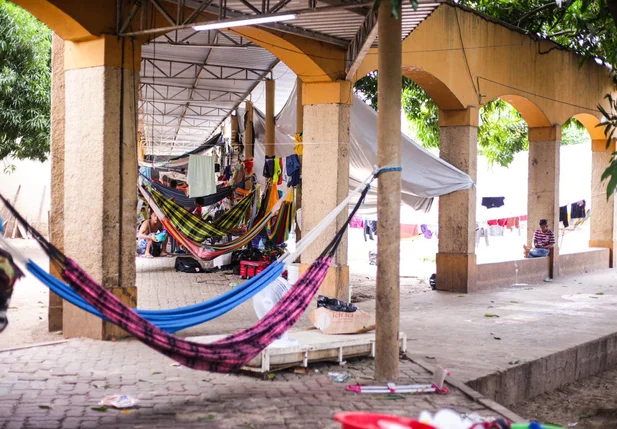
{"x":533,"y":270}
{"x":499,"y":274}
{"x":472,"y":394}
{"x":584,"y":262}
{"x":530,"y":379}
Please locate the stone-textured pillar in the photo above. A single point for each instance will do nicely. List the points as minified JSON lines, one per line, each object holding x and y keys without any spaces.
{"x":387,"y":306}
{"x":543,"y":187}
{"x":325,"y":173}
{"x":56,"y":224}
{"x":99,"y":194}
{"x":456,"y":258}
{"x":270,"y":134}
{"x":603,"y":219}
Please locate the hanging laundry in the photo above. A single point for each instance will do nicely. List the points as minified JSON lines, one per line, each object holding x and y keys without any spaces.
{"x":227,"y":172}
{"x":356,"y":222}
{"x":248,"y":166}
{"x":299,"y":147}
{"x":292,"y":165}
{"x":493,"y":202}
{"x":202,"y":178}
{"x":368,"y":230}
{"x":426,"y":232}
{"x":512,"y":222}
{"x":146,"y":172}
{"x":268,"y":167}
{"x":281,"y":167}
{"x":577,"y":210}
{"x":277,"y":171}
{"x":563,"y":216}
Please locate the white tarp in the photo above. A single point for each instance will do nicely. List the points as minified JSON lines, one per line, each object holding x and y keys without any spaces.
{"x":424,"y":175}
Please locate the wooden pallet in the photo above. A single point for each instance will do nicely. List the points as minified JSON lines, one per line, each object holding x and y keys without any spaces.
{"x":312,"y":346}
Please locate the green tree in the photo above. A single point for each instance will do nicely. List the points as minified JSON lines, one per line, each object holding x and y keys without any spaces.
{"x":25,"y":84}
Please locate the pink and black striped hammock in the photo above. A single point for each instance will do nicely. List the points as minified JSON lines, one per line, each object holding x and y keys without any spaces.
{"x":226,"y":355}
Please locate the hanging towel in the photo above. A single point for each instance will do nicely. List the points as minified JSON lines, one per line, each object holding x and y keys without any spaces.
{"x":201,"y":176}
{"x":493,"y":202}
{"x":577,"y":211}
{"x":563,"y":216}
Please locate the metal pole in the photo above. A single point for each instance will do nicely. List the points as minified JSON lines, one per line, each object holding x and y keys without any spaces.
{"x":270,"y":140}
{"x":299,"y":130}
{"x":248,"y":132}
{"x":389,"y":81}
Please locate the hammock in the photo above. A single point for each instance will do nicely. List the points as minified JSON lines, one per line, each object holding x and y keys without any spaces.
{"x":209,"y":252}
{"x":197,"y":229}
{"x":278,"y":232}
{"x":226,"y":355}
{"x":173,"y":320}
{"x":189,"y":203}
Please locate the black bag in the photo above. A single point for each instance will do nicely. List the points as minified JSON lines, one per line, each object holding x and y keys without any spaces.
{"x":433,"y":281}
{"x":335,"y":304}
{"x":155,"y":249}
{"x":188,"y":265}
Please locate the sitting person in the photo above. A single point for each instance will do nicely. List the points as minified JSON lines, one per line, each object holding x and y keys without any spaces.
{"x":147,"y":245}
{"x":543,"y":242}
{"x":199,"y":207}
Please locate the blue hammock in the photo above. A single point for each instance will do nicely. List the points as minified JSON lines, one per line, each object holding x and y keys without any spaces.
{"x":173,"y":320}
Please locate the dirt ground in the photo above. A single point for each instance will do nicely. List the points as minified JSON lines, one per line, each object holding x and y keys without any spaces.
{"x":363,"y":287}
{"x":588,"y":404}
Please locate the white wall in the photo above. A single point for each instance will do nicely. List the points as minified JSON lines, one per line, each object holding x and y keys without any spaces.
{"x":34,"y":178}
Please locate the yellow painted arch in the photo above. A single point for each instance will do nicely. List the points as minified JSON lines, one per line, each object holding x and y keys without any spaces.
{"x":591,"y":122}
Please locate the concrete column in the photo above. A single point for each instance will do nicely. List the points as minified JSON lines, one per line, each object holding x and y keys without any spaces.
{"x":456,"y":258}
{"x":299,"y":130}
{"x":326,"y":174}
{"x":99,"y":194}
{"x":270,"y":135}
{"x":543,"y":188}
{"x":603,"y":219}
{"x":56,"y":224}
{"x":248,"y":132}
{"x":388,"y":195}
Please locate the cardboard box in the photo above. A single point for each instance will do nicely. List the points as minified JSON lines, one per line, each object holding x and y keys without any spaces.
{"x":338,"y":322}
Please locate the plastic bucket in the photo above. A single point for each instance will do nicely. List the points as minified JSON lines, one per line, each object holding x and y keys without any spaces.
{"x":293,"y":272}
{"x":354,"y":420}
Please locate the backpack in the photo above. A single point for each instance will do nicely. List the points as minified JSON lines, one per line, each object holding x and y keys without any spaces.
{"x":188,"y":265}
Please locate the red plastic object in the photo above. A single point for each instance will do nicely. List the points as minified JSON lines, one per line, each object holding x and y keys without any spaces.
{"x":250,"y":269}
{"x":353,"y":420}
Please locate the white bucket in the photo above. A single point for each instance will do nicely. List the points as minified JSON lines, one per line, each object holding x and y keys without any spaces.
{"x":293,"y":272}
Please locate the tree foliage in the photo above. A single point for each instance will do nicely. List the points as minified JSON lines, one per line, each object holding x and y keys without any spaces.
{"x":25,"y":84}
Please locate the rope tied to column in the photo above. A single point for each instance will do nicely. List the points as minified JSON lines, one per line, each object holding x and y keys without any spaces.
{"x":387,"y":169}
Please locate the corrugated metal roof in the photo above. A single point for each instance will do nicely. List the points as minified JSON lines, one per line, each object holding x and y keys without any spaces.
{"x":178,"y":94}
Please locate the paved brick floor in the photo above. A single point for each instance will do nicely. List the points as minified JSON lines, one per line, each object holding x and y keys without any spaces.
{"x":160,"y":286}
{"x":57,"y":386}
